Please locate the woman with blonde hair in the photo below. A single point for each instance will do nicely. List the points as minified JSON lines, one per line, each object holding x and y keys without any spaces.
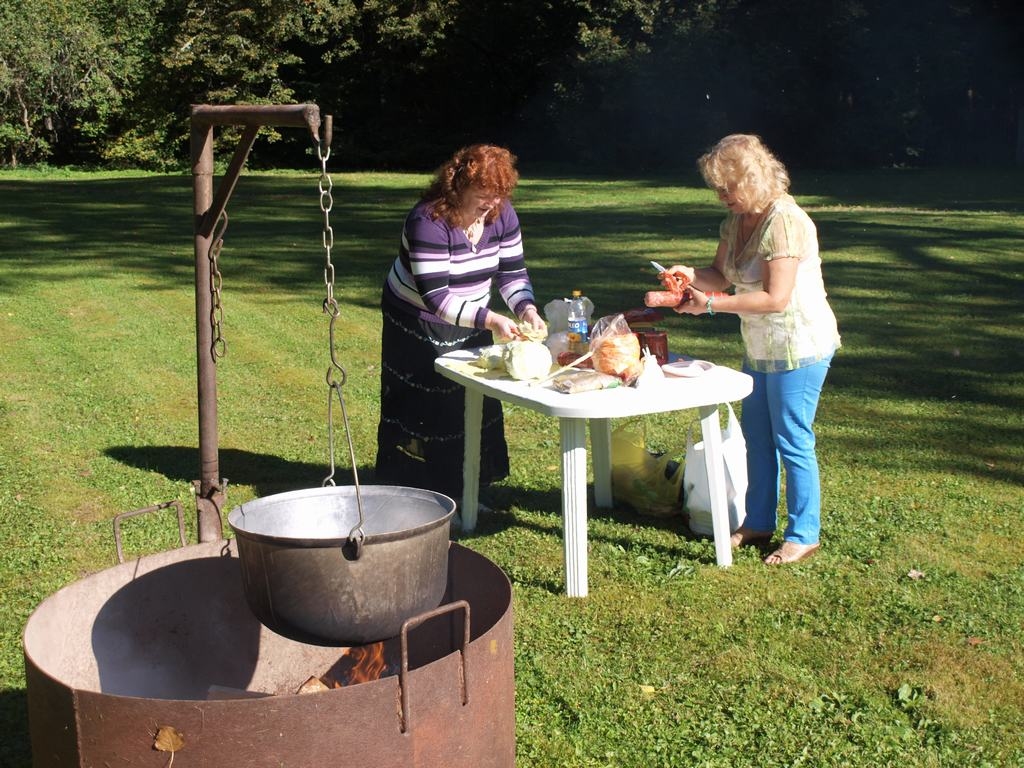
{"x":459,"y":242}
{"x":768,"y":252}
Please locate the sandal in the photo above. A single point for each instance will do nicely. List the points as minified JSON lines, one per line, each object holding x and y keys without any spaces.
{"x":791,"y":552}
{"x":742,"y":537}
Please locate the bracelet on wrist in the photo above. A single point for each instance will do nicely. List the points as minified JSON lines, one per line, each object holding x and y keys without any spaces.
{"x":709,"y":307}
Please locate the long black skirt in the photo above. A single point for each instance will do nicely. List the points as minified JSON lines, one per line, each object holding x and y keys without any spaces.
{"x":421,"y":438}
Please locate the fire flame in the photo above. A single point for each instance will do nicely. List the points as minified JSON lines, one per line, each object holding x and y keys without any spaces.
{"x":360,"y":664}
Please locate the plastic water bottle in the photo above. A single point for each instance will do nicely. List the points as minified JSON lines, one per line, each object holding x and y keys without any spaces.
{"x":579,"y":329}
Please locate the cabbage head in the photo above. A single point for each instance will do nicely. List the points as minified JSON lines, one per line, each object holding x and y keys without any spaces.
{"x":491,"y":358}
{"x":527,"y":360}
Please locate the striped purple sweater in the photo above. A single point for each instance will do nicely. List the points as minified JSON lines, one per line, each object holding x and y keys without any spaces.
{"x":441,"y":277}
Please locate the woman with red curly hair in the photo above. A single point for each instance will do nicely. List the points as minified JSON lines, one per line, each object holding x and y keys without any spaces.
{"x":459,"y":242}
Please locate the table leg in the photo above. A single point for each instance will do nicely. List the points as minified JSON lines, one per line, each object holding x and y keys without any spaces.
{"x":471,"y":460}
{"x":601,"y":458}
{"x":715,"y":465}
{"x":574,"y":504}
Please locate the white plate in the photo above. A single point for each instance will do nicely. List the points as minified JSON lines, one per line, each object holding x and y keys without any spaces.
{"x":687,"y":369}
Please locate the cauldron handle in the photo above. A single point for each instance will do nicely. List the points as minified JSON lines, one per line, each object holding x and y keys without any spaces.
{"x":403,"y":671}
{"x":356,"y":534}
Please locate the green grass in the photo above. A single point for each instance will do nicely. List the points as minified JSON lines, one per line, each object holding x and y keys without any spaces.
{"x":671,"y":661}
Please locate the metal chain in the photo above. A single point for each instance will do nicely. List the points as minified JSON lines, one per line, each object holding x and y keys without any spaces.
{"x":330,"y":307}
{"x":219,"y":346}
{"x":326,"y":187}
{"x":336,"y":375}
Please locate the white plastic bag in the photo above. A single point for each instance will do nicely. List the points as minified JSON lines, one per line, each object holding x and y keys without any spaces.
{"x":696,"y":490}
{"x":652,"y":375}
{"x":556,"y":312}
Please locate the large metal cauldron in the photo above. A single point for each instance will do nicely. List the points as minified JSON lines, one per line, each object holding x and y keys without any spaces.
{"x":318,"y":569}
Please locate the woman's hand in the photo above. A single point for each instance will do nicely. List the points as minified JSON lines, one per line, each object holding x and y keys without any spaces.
{"x":688,"y":274}
{"x":532,"y":316}
{"x":502,"y":327}
{"x":675,"y":281}
{"x":697,"y":304}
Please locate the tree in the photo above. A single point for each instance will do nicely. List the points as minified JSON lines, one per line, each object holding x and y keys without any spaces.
{"x":214,"y":52}
{"x":60,"y":79}
{"x":623,"y":84}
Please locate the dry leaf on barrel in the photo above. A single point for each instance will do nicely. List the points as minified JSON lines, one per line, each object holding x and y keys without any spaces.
{"x":168,"y":739}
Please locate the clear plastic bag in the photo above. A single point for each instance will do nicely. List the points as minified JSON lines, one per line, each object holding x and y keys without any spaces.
{"x":584,"y":381}
{"x":616,"y":348}
{"x":557,"y":342}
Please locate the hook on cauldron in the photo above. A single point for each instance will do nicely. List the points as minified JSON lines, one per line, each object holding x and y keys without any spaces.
{"x":352,"y":549}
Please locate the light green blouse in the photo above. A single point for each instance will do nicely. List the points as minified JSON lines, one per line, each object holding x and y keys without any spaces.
{"x":805,"y":332}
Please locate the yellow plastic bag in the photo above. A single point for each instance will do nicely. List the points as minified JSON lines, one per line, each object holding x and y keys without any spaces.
{"x":650,"y":483}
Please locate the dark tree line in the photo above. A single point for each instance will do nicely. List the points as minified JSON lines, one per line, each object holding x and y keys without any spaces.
{"x":619,"y":84}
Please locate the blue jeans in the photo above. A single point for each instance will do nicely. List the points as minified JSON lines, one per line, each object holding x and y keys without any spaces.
{"x":778,"y":423}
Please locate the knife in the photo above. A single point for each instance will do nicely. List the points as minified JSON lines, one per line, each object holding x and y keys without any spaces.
{"x":682,"y":281}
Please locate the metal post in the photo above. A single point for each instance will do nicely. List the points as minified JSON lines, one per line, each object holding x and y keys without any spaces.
{"x":210,"y":488}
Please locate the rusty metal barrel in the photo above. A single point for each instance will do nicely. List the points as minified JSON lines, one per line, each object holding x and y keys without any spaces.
{"x":169,"y":640}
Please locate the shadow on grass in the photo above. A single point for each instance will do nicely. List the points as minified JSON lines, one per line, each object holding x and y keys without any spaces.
{"x":919,"y":321}
{"x":267,"y":474}
{"x":15,"y":747}
{"x":143,"y":225}
{"x":548,"y":503}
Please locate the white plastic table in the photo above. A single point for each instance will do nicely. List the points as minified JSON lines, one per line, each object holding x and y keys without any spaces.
{"x":705,"y":393}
